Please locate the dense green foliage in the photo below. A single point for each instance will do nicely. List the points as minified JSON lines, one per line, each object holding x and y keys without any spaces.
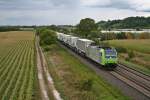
{"x":8,"y":28}
{"x":47,"y":37}
{"x":130,"y":22}
{"x":59,"y":28}
{"x":86,"y":28}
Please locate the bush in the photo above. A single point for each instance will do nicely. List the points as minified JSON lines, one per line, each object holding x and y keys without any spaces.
{"x":127,"y":59}
{"x":121,"y":50}
{"x":121,"y":35}
{"x":144,"y":36}
{"x":46,"y":48}
{"x":84,"y":85}
{"x":47,"y":37}
{"x":87,"y":85}
{"x":131,"y":54}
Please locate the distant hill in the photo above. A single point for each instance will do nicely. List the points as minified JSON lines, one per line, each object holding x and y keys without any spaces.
{"x":127,"y":23}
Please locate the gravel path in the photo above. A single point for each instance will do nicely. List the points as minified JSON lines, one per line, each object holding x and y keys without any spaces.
{"x":125,"y":88}
{"x":50,"y":80}
{"x":45,"y":80}
{"x":44,"y":92}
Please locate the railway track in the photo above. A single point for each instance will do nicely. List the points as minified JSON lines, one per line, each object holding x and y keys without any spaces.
{"x":133,"y":78}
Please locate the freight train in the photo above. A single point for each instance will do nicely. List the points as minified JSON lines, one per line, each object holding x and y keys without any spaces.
{"x":105,"y":56}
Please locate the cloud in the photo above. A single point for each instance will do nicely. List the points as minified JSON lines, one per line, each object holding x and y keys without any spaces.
{"x":36,"y":4}
{"x":30,"y":12}
{"x":137,"y":5}
{"x":95,"y":2}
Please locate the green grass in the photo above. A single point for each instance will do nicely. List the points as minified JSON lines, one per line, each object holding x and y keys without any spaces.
{"x":18,"y":78}
{"x":142,"y":46}
{"x":69,"y":73}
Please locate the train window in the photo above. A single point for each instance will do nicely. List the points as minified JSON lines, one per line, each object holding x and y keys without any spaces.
{"x":110,"y":52}
{"x":101,"y":53}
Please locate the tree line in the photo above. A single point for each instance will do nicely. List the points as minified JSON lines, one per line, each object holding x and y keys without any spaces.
{"x":14,"y":28}
{"x":88,"y":28}
{"x":130,"y":22}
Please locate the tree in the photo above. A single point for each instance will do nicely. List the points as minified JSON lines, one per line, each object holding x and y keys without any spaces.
{"x":121,"y":36}
{"x":129,"y":36}
{"x":53,"y":27}
{"x":86,"y":26}
{"x":130,"y":22}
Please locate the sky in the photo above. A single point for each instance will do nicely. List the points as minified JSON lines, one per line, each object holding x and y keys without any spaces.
{"x":58,"y":12}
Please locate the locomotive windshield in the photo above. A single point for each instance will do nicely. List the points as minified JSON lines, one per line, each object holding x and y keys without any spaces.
{"x":110,"y":52}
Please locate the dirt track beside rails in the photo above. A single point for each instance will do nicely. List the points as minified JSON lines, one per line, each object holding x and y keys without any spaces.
{"x":48,"y":91}
{"x":44,"y":92}
{"x":125,"y":88}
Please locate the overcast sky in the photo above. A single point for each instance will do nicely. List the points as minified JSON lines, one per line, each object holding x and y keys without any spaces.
{"x":43,"y":12}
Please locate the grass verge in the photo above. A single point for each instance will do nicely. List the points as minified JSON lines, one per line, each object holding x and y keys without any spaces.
{"x":75,"y":81}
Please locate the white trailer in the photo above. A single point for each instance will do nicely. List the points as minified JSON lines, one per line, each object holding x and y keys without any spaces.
{"x":59,"y":36}
{"x":82,"y":45}
{"x":66,"y":38}
{"x":63,"y":37}
{"x":73,"y":41}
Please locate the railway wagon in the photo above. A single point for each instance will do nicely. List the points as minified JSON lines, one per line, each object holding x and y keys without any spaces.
{"x":60,"y":36}
{"x":82,"y":45}
{"x":66,"y":38}
{"x":73,"y":41}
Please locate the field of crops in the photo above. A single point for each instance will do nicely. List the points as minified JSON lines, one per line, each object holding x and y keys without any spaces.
{"x":18,"y":80}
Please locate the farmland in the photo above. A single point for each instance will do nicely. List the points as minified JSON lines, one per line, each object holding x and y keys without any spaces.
{"x":142,"y":46}
{"x":141,"y":50}
{"x":75,"y":81}
{"x":18,"y":78}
